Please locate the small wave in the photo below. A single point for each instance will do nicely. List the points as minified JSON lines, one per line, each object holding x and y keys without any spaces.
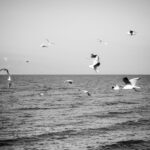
{"x":118,"y":102}
{"x":33,"y":108}
{"x":137,"y":123}
{"x":50,"y":136}
{"x":130,"y":144}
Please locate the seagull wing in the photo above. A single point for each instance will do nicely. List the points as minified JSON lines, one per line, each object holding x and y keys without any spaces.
{"x":4,"y":69}
{"x":126,"y":80}
{"x":133,"y":81}
{"x":96,"y":60}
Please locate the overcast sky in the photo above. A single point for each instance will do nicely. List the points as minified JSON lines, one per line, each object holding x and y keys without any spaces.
{"x":75,"y":27}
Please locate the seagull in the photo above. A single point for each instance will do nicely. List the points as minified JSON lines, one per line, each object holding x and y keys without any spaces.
{"x":86,"y":92}
{"x":96,"y":62}
{"x":116,"y":87}
{"x":4,"y":69}
{"x":68,"y":81}
{"x":131,"y":32}
{"x":129,"y":84}
{"x":9,"y":76}
{"x":46,"y":44}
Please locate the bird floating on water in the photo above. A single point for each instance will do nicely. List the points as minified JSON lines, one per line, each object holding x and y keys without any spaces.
{"x":96,"y":62}
{"x":68,"y":81}
{"x":129,"y":84}
{"x":86,"y":92}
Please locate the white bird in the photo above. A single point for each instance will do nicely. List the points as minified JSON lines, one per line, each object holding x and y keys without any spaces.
{"x":96,"y":62}
{"x":9,"y":76}
{"x":68,"y":81}
{"x":46,"y":44}
{"x":129,"y":84}
{"x":86,"y":92}
{"x":116,"y":87}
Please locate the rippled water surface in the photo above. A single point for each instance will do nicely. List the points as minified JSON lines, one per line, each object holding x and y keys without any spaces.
{"x":43,"y":113}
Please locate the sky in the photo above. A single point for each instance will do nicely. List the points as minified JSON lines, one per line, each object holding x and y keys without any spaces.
{"x":75,"y":26}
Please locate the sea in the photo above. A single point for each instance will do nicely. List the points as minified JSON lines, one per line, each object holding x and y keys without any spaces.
{"x":41,"y":112}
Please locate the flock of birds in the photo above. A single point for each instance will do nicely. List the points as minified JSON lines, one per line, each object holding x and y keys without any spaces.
{"x":129,"y":83}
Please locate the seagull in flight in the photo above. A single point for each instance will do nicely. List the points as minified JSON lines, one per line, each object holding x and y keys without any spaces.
{"x":131,"y":32}
{"x":46,"y":44}
{"x":96,"y":62}
{"x":9,"y":76}
{"x":4,"y":69}
{"x":129,"y":84}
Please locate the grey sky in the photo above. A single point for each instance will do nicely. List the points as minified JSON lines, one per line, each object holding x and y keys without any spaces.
{"x":75,"y":26}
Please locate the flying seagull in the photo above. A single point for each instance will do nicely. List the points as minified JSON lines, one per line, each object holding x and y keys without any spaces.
{"x":131,"y":32}
{"x":6,"y":70}
{"x":116,"y":87}
{"x":9,"y":76}
{"x":129,"y":84}
{"x":96,"y":62}
{"x":46,"y":44}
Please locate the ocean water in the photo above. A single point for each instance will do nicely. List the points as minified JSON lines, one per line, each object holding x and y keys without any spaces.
{"x":41,"y":112}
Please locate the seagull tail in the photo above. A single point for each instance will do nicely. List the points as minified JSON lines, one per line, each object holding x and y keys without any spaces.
{"x":137,"y":87}
{"x":91,"y":66}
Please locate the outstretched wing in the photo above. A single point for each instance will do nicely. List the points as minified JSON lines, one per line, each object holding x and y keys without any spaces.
{"x":134,"y":80}
{"x":4,"y":69}
{"x":126,"y":80}
{"x":93,"y":55}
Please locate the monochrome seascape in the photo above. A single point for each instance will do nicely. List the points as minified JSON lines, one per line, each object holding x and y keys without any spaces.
{"x":41,"y":112}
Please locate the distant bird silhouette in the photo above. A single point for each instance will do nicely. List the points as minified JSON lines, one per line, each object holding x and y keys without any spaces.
{"x":96,"y":62}
{"x":46,"y":44}
{"x":131,"y":32}
{"x":129,"y":84}
{"x":102,"y":42}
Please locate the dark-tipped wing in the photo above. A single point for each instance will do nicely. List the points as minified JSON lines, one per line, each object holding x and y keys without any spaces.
{"x":97,"y":65}
{"x":126,"y":80}
{"x":4,"y":69}
{"x":93,"y":55}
